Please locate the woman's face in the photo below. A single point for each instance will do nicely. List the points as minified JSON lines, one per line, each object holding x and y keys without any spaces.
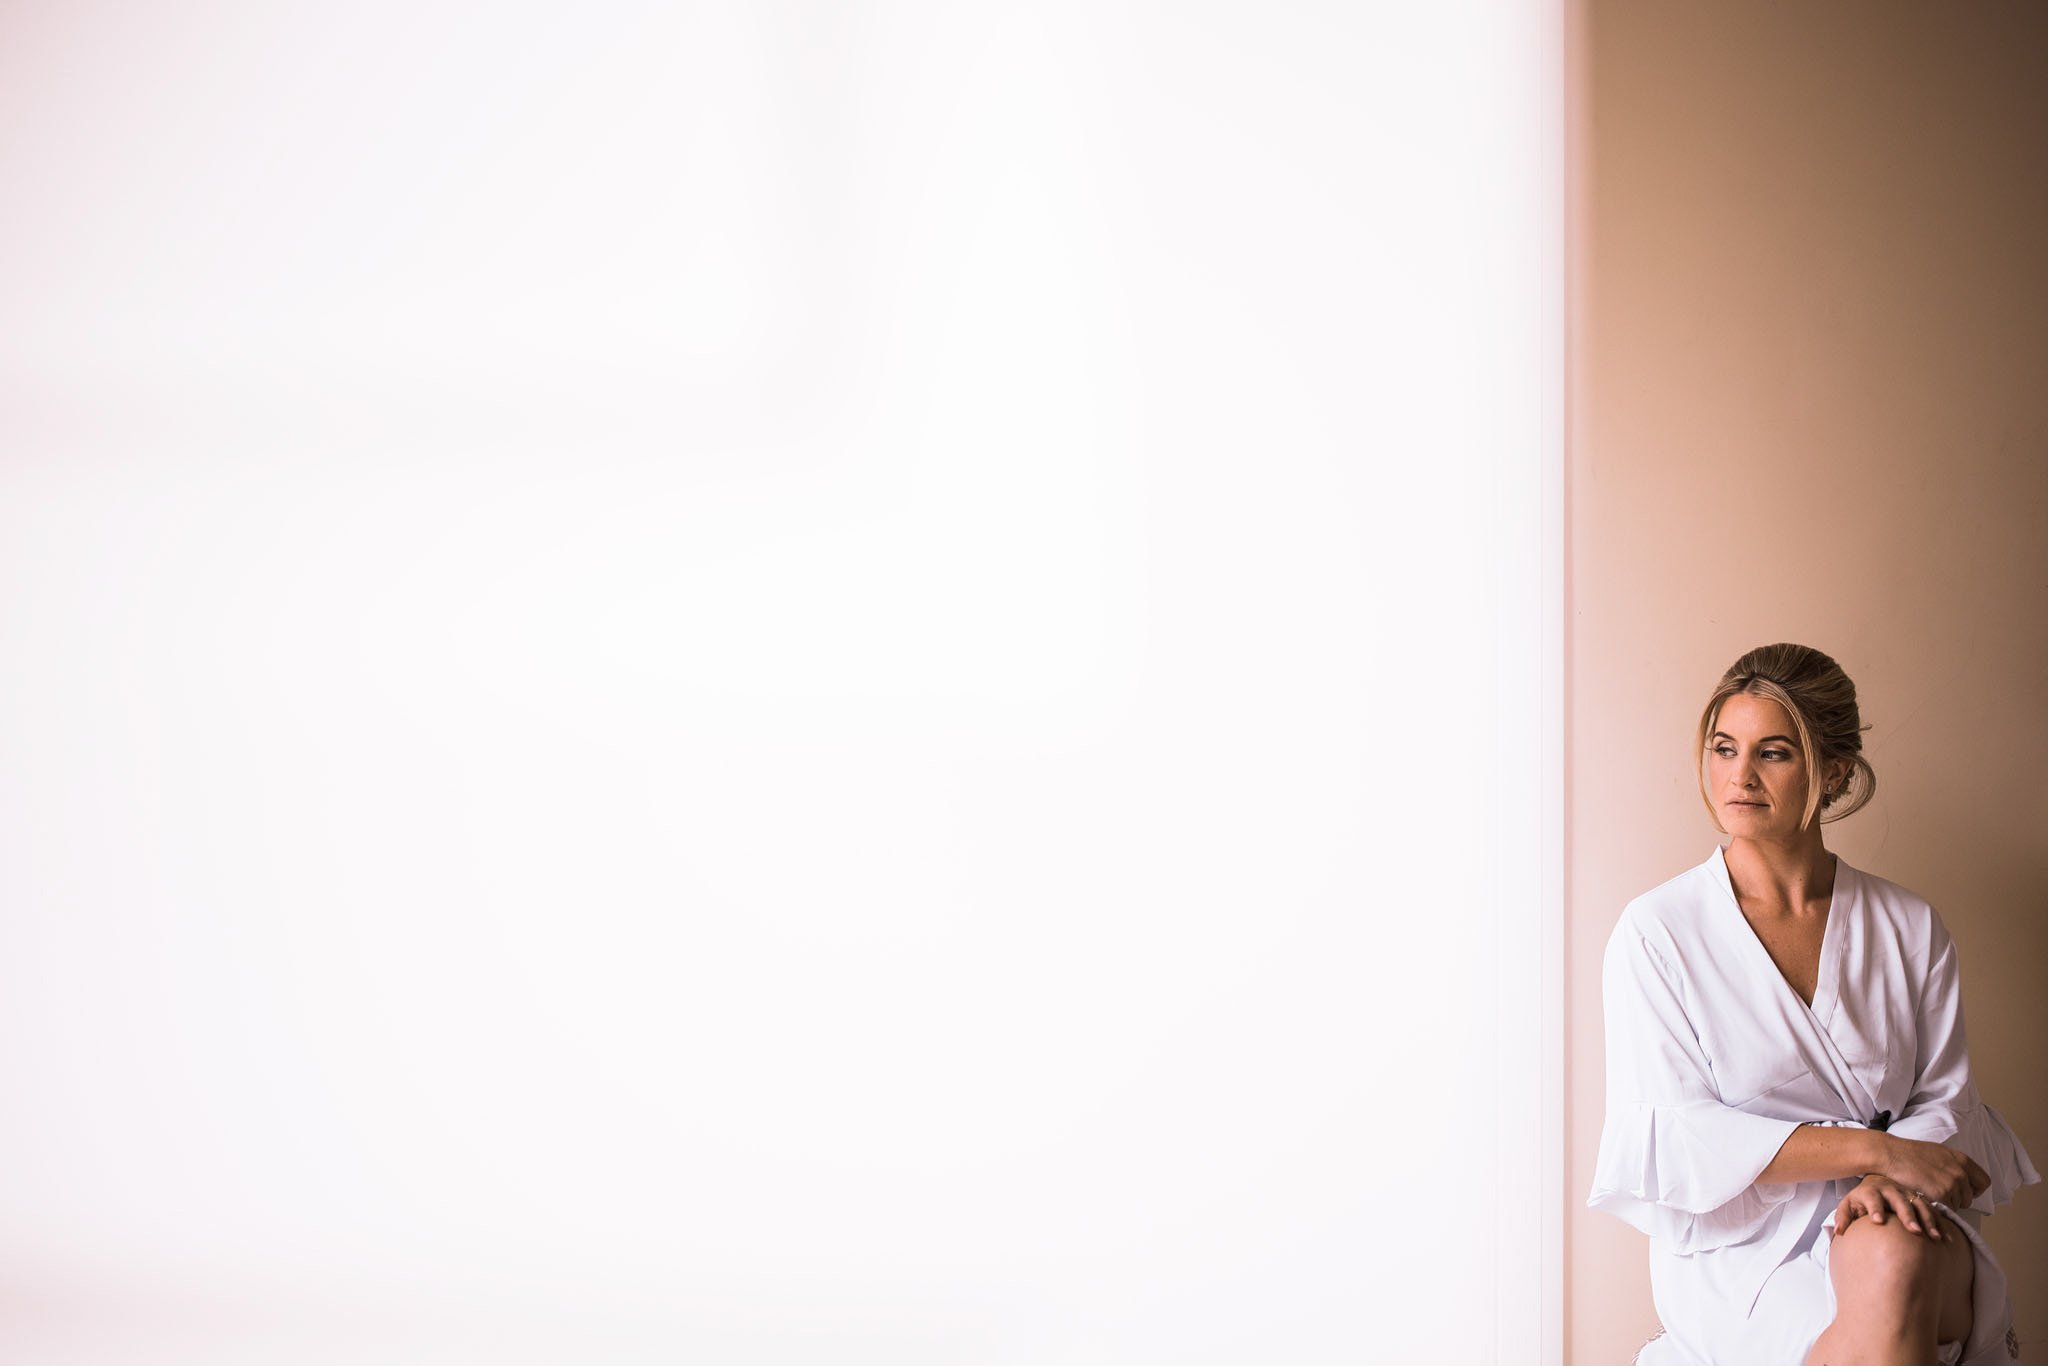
{"x":1756,"y":774}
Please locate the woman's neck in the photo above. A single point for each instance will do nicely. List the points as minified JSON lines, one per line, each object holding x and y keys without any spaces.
{"x":1786,"y":874}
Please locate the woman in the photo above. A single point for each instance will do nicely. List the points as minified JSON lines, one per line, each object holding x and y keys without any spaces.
{"x":1790,"y":1113}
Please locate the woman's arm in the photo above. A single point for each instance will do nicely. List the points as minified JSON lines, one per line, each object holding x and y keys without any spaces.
{"x":1900,"y":1175}
{"x":1674,"y":1161}
{"x":1817,"y":1152}
{"x":1944,"y":1124}
{"x":1814,"y":1152}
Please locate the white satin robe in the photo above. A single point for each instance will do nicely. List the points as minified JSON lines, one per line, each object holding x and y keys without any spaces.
{"x":1713,"y":1060}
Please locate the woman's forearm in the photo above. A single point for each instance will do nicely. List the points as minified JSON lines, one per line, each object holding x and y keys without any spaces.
{"x":1816,"y":1152}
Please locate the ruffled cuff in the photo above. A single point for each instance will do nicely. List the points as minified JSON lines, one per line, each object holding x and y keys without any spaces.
{"x":1983,"y":1133}
{"x":1686,"y":1174}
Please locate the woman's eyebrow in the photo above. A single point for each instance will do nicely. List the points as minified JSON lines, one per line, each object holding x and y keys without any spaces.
{"x":1724,"y":735}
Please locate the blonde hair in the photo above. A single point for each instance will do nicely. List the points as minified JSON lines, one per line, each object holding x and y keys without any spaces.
{"x":1821,"y":701}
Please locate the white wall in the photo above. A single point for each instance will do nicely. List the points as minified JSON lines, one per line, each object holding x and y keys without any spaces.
{"x":775,"y":683}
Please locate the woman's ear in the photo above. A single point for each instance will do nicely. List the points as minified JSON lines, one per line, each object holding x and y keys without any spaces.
{"x":1838,"y":774}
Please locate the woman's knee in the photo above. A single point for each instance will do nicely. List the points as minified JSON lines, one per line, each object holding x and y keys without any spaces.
{"x":1887,"y":1259}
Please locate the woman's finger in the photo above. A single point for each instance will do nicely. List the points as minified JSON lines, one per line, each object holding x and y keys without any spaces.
{"x":1902,"y":1202}
{"x":1918,"y":1214}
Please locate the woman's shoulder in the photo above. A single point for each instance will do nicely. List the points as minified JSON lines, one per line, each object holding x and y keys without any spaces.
{"x":1678,"y":906}
{"x":1883,"y":889}
{"x":1894,"y":903}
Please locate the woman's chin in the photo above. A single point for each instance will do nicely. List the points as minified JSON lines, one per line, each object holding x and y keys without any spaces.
{"x":1747,"y":820}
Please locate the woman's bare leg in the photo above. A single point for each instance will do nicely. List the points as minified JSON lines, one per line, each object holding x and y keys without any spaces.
{"x":1897,"y":1294}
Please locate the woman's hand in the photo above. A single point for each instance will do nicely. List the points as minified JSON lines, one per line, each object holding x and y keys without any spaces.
{"x":1879,"y":1197}
{"x":1933,"y":1170}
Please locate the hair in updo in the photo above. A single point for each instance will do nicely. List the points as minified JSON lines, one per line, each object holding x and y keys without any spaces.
{"x":1822,"y":703}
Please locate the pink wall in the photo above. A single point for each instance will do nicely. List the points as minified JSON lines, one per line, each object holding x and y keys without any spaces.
{"x":1810,"y":334}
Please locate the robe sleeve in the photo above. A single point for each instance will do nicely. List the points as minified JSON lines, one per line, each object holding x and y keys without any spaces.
{"x":1944,"y":1106}
{"x":1674,"y":1161}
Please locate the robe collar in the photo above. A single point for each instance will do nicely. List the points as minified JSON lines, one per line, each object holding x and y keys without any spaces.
{"x":1830,"y":1063}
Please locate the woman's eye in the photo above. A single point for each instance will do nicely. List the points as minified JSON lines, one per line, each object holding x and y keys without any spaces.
{"x":1777,"y":754}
